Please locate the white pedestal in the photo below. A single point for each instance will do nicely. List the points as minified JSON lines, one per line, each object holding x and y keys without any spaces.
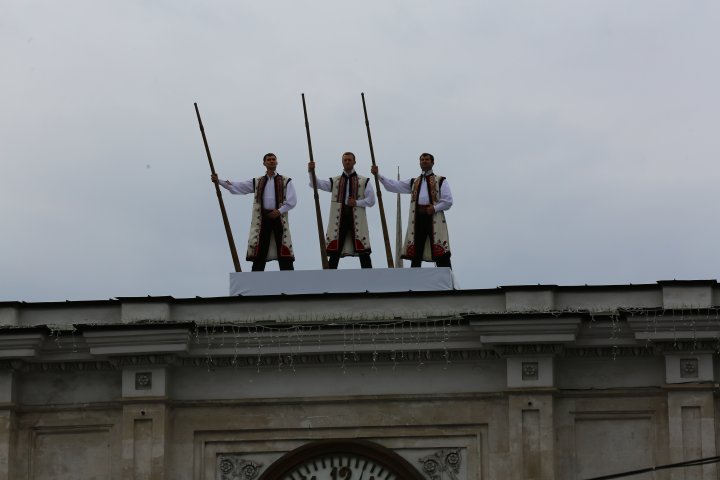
{"x":297,"y":282}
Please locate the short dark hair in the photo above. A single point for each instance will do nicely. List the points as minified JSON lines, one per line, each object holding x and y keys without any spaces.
{"x":269,"y":155}
{"x":349,"y":153}
{"x":429,"y":155}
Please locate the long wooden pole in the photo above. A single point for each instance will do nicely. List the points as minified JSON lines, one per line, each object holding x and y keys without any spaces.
{"x":398,"y":231}
{"x":386,"y":235}
{"x":321,"y":234}
{"x":231,"y":242}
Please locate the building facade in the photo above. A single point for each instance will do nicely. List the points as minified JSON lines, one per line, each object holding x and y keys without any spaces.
{"x":524,"y":382}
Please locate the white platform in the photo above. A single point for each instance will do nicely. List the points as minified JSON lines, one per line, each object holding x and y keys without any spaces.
{"x":341,"y":281}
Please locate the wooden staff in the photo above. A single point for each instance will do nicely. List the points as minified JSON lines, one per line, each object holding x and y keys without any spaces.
{"x":388,"y":252}
{"x":231,"y":242}
{"x":398,"y":231}
{"x":321,"y":234}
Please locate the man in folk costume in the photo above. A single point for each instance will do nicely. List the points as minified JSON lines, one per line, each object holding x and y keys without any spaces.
{"x":347,"y":232}
{"x":274,"y":196}
{"x":427,"y":236}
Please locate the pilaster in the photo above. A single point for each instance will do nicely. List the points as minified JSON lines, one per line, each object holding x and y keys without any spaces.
{"x":145,"y":423}
{"x":530,"y":416}
{"x":691,"y":411}
{"x":7,"y":422}
{"x":530,"y":371}
{"x":691,"y":367}
{"x":531,"y":436}
{"x":691,"y":422}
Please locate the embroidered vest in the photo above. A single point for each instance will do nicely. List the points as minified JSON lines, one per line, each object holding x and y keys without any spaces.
{"x":286,"y":250}
{"x":358,"y":240}
{"x":439,"y":244}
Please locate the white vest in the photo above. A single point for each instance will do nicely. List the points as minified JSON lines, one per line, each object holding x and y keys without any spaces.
{"x":439,"y":244}
{"x":257,"y":217}
{"x":358,"y":241}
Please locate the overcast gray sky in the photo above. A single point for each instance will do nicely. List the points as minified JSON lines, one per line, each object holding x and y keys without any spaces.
{"x":579,"y":137}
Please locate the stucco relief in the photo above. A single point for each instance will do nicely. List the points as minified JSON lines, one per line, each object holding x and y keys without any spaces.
{"x":143,"y":380}
{"x":689,"y":368}
{"x":530,"y":371}
{"x":442,"y":465}
{"x":234,"y":467}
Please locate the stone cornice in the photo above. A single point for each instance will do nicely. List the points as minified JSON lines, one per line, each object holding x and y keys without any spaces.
{"x":58,"y":366}
{"x":624,"y":332}
{"x":671,"y":325}
{"x":21,"y":345}
{"x":137,"y":341}
{"x":610,"y":352}
{"x":411,"y":355}
{"x":265,"y":359}
{"x":529,"y":349}
{"x":348,"y":359}
{"x":520,"y":330}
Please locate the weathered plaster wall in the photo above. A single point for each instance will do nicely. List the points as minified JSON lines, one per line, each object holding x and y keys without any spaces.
{"x":521,"y":433}
{"x":530,"y":382}
{"x":332,"y":380}
{"x":68,"y":388}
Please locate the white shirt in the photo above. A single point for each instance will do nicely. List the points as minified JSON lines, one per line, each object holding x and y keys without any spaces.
{"x":247,"y":186}
{"x":368,"y":201}
{"x":405,"y":186}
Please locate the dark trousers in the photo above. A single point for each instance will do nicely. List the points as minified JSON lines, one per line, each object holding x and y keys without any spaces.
{"x":270,"y":226}
{"x":347,"y":228}
{"x":423,"y":231}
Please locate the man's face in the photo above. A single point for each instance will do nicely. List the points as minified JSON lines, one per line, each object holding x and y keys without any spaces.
{"x":270,"y":163}
{"x":426,"y":163}
{"x":348,"y":162}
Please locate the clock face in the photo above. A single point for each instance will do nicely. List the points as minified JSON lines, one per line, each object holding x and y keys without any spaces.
{"x":340,"y":466}
{"x":341,"y":460}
